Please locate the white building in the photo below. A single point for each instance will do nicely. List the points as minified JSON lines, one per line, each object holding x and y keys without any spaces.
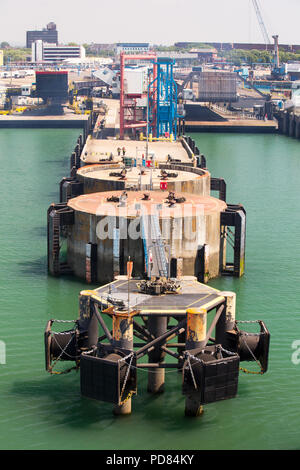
{"x":132,"y":47}
{"x":37,"y":51}
{"x":89,"y":62}
{"x":42,"y":51}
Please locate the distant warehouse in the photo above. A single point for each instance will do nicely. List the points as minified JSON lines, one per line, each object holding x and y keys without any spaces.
{"x":41,"y":52}
{"x":132,"y":47}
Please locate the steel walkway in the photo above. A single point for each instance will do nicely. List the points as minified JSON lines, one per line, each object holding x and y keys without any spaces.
{"x":155,"y":256}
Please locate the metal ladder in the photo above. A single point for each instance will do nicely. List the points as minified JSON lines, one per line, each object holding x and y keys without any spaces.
{"x":152,"y":239}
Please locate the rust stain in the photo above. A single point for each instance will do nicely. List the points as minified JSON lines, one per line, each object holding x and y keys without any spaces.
{"x":196,"y":324}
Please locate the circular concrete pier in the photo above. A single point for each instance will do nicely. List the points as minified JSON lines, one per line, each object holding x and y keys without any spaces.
{"x":178,"y":178}
{"x":111,"y":226}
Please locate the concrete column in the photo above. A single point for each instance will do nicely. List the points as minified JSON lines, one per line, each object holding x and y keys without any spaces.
{"x":181,"y":339}
{"x":87,"y":320}
{"x":291,"y":125}
{"x":226,"y":320}
{"x":195,"y":327}
{"x":123,"y":329}
{"x":195,"y":335}
{"x":123,"y":338}
{"x":280,"y":122}
{"x":156,"y":377}
{"x":285,"y":123}
{"x":179,"y":267}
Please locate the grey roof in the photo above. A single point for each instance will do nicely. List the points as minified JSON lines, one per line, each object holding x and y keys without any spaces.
{"x":133,"y":44}
{"x":176,"y":55}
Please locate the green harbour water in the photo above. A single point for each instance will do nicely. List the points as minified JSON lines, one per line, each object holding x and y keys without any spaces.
{"x":40,"y":411}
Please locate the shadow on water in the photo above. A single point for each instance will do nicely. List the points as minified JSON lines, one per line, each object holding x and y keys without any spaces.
{"x":64,"y":406}
{"x":39,"y":267}
{"x":59,"y":399}
{"x":60,"y":162}
{"x":36,"y":267}
{"x":53,"y":197}
{"x":39,"y":232}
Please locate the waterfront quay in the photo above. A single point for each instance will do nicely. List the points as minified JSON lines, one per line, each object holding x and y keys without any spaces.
{"x":66,"y":121}
{"x":233,"y":125}
{"x":96,"y":150}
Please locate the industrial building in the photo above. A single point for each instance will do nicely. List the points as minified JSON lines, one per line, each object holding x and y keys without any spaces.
{"x":48,"y":34}
{"x":293,"y":70}
{"x":228,"y":46}
{"x":205,"y":55}
{"x":41,"y":51}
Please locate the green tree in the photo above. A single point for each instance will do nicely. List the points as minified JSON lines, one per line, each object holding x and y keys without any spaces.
{"x":16,"y":55}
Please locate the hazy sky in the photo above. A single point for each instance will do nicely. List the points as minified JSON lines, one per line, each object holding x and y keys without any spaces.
{"x":154,"y":21}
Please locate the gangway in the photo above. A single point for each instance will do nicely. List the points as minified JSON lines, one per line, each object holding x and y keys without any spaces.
{"x":156,"y":262}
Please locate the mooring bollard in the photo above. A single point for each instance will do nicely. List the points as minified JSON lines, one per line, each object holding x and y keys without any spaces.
{"x":157,"y":326}
{"x":196,"y":320}
{"x":123,"y":338}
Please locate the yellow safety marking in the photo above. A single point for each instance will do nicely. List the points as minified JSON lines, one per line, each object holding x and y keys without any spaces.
{"x":95,"y":297}
{"x":216,"y":290}
{"x":163,"y":311}
{"x":199,"y":300}
{"x":87,"y":292}
{"x":116,"y":280}
{"x":204,"y":285}
{"x":208,"y":305}
{"x":125,"y":282}
{"x":128,"y":397}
